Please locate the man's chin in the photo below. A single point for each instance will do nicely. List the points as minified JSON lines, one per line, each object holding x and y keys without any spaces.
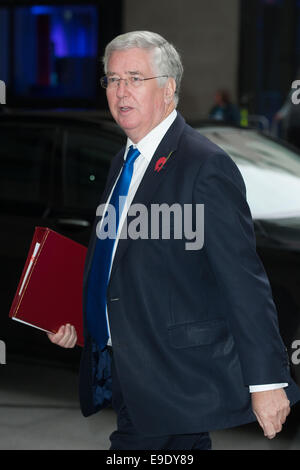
{"x":126,"y":122}
{"x":128,"y":126}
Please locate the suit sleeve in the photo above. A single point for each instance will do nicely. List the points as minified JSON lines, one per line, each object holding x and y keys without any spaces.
{"x":230,"y":246}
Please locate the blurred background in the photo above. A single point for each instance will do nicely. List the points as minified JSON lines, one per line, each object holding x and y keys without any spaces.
{"x":249,"y":49}
{"x":240,"y":59}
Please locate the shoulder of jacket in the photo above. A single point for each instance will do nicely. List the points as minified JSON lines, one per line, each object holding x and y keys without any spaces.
{"x":203,"y":156}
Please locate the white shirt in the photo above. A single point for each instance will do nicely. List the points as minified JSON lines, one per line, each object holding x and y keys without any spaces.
{"x":147,"y":147}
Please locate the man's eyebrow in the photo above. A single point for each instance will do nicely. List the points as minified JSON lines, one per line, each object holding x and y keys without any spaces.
{"x":133,"y":72}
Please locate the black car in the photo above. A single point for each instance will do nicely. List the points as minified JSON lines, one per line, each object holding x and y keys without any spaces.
{"x":53,"y":170}
{"x":271,"y":171}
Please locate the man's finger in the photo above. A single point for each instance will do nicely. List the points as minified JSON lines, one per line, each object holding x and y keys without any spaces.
{"x":56,"y":337}
{"x":71,"y":338}
{"x":271,"y":409}
{"x":65,"y":340}
{"x":283,"y":414}
{"x":65,"y":337}
{"x":270,"y":430}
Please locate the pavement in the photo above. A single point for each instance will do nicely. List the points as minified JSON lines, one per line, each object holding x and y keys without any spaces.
{"x":39,"y":410}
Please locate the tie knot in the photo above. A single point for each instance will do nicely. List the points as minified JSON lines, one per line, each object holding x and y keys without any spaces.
{"x":132,"y":155}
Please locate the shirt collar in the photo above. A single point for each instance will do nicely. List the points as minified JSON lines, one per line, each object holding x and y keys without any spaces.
{"x":150,"y":142}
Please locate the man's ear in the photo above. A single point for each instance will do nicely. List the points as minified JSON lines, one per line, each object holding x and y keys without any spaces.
{"x":170,"y":89}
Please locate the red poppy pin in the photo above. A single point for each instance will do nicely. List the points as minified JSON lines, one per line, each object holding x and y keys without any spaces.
{"x":161,"y":162}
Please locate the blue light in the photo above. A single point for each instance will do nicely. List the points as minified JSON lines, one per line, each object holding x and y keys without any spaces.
{"x":71,"y":32}
{"x":42,"y":10}
{"x":59,"y":40}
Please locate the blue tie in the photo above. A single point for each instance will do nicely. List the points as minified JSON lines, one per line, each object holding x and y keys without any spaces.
{"x":100,"y":269}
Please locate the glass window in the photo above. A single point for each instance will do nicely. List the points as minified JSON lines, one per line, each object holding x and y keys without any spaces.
{"x":271,"y":171}
{"x":56,"y":51}
{"x":87,"y":163}
{"x":24,"y":155}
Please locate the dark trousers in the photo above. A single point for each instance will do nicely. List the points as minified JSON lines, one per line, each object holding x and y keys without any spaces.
{"x":127,"y":437}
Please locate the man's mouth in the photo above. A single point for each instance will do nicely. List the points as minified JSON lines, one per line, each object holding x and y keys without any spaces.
{"x":125,"y":109}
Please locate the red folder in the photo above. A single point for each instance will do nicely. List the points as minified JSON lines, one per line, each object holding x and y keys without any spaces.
{"x":49,"y":293}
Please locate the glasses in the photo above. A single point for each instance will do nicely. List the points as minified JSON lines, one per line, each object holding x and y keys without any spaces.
{"x":114,"y":82}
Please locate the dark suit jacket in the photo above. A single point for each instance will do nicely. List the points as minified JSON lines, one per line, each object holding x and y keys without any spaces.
{"x":191,"y":330}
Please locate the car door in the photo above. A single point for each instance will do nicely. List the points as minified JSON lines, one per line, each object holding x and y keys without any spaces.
{"x":26,"y":152}
{"x":83,"y":171}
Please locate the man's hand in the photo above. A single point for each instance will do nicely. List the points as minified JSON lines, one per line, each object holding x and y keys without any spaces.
{"x":65,"y":337}
{"x":271,"y":409}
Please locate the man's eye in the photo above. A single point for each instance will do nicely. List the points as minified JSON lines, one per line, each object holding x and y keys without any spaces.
{"x":135,"y":79}
{"x":113,"y":79}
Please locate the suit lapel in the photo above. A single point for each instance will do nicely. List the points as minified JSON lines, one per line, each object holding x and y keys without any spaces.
{"x":153,"y":178}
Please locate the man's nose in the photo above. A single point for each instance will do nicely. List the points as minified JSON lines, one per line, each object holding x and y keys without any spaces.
{"x":122,"y":88}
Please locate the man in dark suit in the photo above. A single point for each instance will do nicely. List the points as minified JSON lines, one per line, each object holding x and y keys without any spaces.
{"x":181,"y":337}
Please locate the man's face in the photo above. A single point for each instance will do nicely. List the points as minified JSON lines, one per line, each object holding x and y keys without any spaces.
{"x":137,"y":110}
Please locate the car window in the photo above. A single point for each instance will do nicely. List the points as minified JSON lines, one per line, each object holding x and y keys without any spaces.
{"x":87,"y":162}
{"x":270,"y":170}
{"x":24,"y":156}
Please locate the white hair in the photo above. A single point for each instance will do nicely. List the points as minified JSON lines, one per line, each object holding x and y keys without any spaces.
{"x":166,"y":60}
